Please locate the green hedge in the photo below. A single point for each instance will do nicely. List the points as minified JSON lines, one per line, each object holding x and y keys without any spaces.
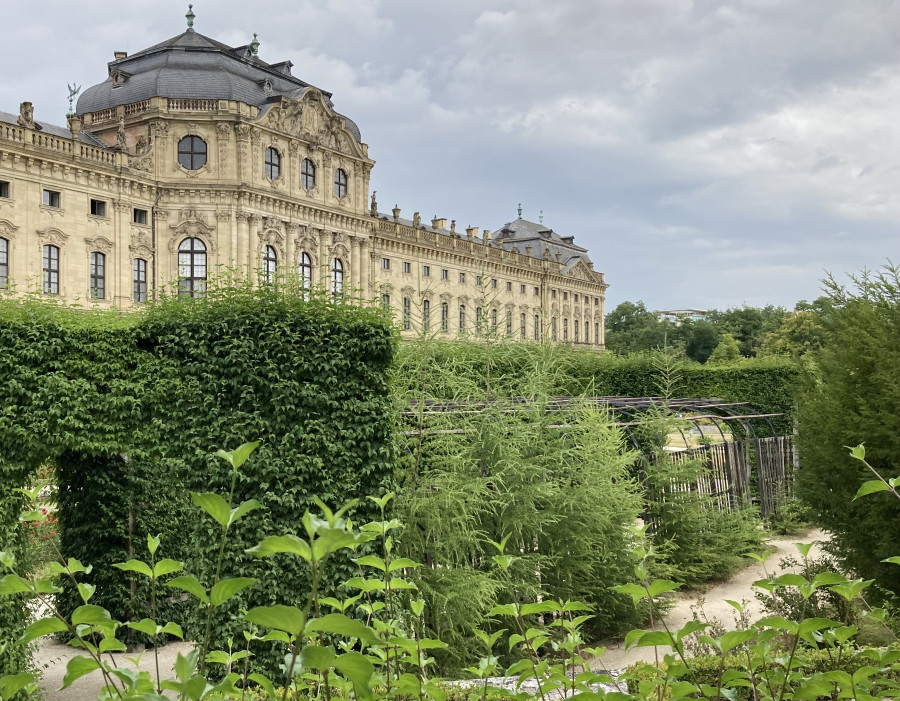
{"x":132,"y":408}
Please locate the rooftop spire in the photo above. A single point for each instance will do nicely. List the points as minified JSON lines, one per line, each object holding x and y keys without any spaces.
{"x":520,"y":210}
{"x":254,"y":46}
{"x":190,"y":16}
{"x":541,"y":217}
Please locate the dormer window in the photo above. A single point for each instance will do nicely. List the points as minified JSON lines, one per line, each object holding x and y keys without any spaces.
{"x":119,"y":77}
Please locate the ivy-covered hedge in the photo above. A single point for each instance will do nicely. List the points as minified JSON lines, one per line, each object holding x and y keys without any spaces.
{"x":131,"y":409}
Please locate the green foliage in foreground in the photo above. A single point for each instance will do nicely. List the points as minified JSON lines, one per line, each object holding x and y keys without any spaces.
{"x":854,"y":391}
{"x":129,"y":407}
{"x":328,"y":652}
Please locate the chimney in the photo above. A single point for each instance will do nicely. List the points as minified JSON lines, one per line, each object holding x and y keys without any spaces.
{"x":487,"y":235}
{"x":120,"y":55}
{"x":396,"y":212}
{"x":438,"y":222}
{"x":471,"y":232}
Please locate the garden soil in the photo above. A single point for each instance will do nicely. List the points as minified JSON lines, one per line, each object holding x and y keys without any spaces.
{"x":52,"y":656}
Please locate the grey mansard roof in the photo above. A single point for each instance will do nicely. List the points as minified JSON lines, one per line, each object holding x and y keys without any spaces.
{"x":193,"y":66}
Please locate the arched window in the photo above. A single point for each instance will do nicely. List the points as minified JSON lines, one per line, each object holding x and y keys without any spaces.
{"x":337,"y":277}
{"x":462,"y":318}
{"x":522,"y":324}
{"x":273,"y":164}
{"x":576,"y":324}
{"x":308,"y":174}
{"x":587,"y":332}
{"x":537,"y":327}
{"x":553,"y":329}
{"x":340,"y":183}
{"x":508,"y":323}
{"x":494,"y":318}
{"x":51,"y":270}
{"x":426,"y":315}
{"x":4,"y":264}
{"x":305,"y":273}
{"x":478,"y":314}
{"x":597,"y":333}
{"x":445,"y":316}
{"x":565,"y":329}
{"x":139,"y":280}
{"x":269,"y":265}
{"x":192,"y":152}
{"x":98,"y":276}
{"x":407,"y":312}
{"x":192,"y":267}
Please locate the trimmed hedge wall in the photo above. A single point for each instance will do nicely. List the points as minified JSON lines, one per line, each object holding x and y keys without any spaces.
{"x":133,"y":408}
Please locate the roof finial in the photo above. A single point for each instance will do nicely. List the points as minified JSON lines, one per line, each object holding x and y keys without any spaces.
{"x":190,"y":16}
{"x":254,"y":46}
{"x":520,"y":210}
{"x":73,"y":91}
{"x":541,"y":217}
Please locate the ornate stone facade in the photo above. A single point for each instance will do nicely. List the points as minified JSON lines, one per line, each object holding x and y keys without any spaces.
{"x":268,"y":174}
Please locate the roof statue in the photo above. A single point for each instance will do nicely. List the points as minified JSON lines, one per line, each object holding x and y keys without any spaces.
{"x":73,"y":91}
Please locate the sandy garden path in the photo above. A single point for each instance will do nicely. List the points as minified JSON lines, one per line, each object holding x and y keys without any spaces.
{"x":738,"y":588}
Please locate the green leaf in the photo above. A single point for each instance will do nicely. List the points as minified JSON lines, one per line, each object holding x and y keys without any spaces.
{"x":86,"y":591}
{"x":283,"y":544}
{"x":895,"y":560}
{"x":371,"y":561}
{"x":173,"y":629}
{"x":871,"y":487}
{"x":857,"y":452}
{"x":280,"y":617}
{"x":138,"y":566}
{"x":153,"y":543}
{"x":214,"y":505}
{"x":189,"y":584}
{"x":45,"y":626}
{"x":14,"y":584}
{"x":316,"y":657}
{"x":237,"y":457}
{"x":90,"y":615}
{"x":358,"y":669}
{"x":226,"y":588}
{"x":264,"y":682}
{"x":339,"y":624}
{"x":145,"y":625}
{"x":662,"y":586}
{"x":14,"y":683}
{"x":789,"y":580}
{"x":111,"y":645}
{"x":532,"y":608}
{"x":245,"y":508}
{"x":732,"y":639}
{"x":402,"y":563}
{"x":164,"y":567}
{"x":77,"y":668}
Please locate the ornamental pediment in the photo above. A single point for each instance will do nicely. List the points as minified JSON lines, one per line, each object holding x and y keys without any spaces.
{"x":310,"y":119}
{"x":580,"y":271}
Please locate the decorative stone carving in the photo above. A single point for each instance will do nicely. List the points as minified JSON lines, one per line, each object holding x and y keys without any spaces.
{"x":373,"y":209}
{"x":191,"y":224}
{"x":8,"y":229}
{"x":160,"y":129}
{"x":52,"y":236}
{"x":99,"y":243}
{"x":140,"y":237}
{"x":26,"y":115}
{"x":143,"y":161}
{"x":417,"y":220}
{"x":120,"y":135}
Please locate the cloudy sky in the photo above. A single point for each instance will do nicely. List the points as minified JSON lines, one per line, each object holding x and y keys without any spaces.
{"x":707,"y":153}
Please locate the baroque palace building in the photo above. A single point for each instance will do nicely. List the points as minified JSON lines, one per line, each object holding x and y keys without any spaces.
{"x":193,"y":154}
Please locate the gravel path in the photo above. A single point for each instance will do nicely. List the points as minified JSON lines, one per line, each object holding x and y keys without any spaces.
{"x":738,"y":588}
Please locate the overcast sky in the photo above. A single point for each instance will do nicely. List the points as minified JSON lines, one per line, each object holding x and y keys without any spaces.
{"x":708,"y":154}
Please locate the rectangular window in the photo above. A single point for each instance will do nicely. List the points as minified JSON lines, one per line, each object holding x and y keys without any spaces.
{"x":426,"y":271}
{"x":596,"y":301}
{"x":494,"y":284}
{"x":537,"y":328}
{"x":386,"y":302}
{"x":4,"y":264}
{"x":552,"y":294}
{"x":51,"y":198}
{"x":98,"y":276}
{"x":462,"y":318}
{"x":51,"y":270}
{"x":445,"y":316}
{"x":523,"y":326}
{"x":407,"y":312}
{"x":462,"y":277}
{"x":509,"y":287}
{"x":565,"y":296}
{"x":139,"y":279}
{"x":478,"y":281}
{"x":385,"y":263}
{"x":444,"y":273}
{"x":406,"y":267}
{"x":565,"y":329}
{"x":536,"y":292}
{"x":522,"y":289}
{"x":576,"y":297}
{"x":4,"y":189}
{"x":140,"y":216}
{"x":98,"y":208}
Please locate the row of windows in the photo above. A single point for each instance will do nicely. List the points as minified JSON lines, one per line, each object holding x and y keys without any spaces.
{"x":52,"y":198}
{"x":479,"y":313}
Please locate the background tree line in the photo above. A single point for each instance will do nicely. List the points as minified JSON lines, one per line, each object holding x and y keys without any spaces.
{"x":724,"y":335}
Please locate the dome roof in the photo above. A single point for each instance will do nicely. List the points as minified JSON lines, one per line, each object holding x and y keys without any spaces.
{"x":193,"y":66}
